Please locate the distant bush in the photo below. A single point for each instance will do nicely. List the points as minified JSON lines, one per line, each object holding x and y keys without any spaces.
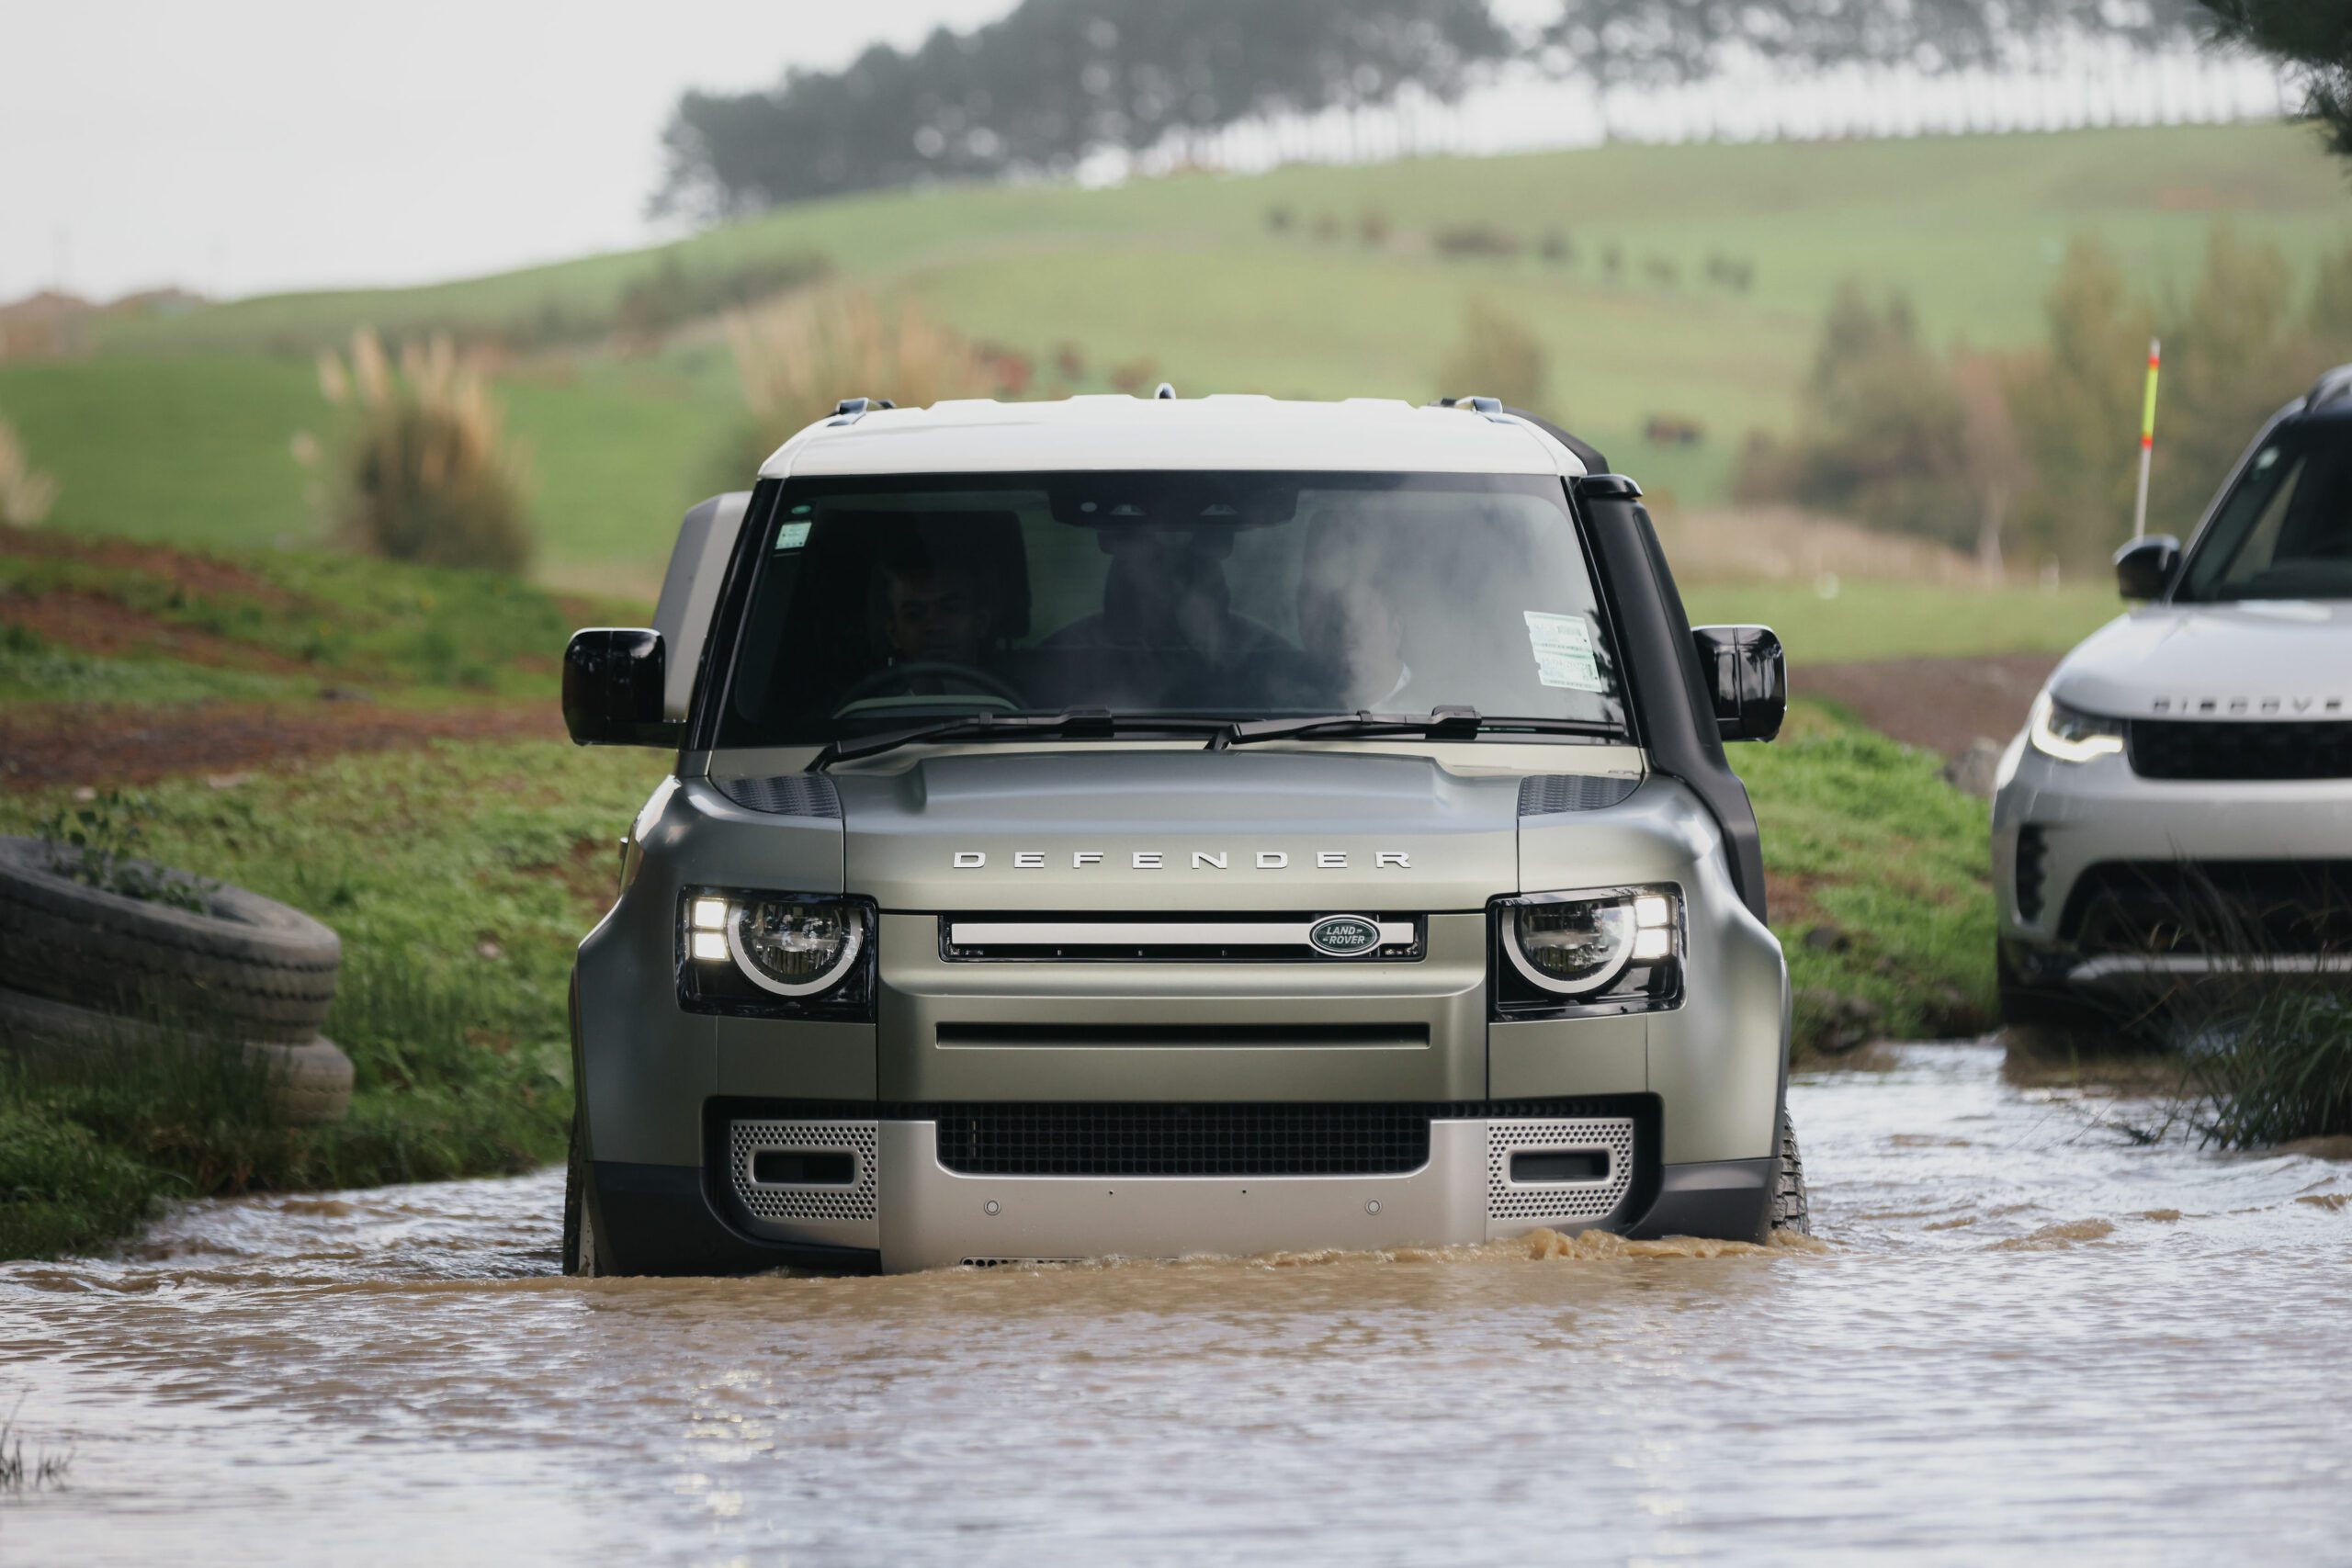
{"x":1136,"y":378}
{"x":1008,"y":370}
{"x":1879,"y":428}
{"x":424,"y":471}
{"x":1372,"y":227}
{"x":1069,"y":362}
{"x":1470,"y":241}
{"x":1326,"y":226}
{"x":1556,"y":248}
{"x":1496,"y":356}
{"x":1279,"y":219}
{"x":1736,"y":273}
{"x":796,"y":358}
{"x":671,"y":294}
{"x":25,"y":492}
{"x":1612,"y":260}
{"x":1664,"y":271}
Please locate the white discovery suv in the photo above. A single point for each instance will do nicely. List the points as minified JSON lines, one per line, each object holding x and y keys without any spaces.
{"x":2181,"y":798}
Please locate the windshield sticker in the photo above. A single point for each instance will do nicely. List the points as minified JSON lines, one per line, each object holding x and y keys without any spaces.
{"x":1563,"y":650}
{"x":792,"y":535}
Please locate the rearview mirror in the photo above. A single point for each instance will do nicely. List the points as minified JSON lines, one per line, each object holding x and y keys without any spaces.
{"x":2143,"y":568}
{"x":1748,"y":677}
{"x":612,"y":689}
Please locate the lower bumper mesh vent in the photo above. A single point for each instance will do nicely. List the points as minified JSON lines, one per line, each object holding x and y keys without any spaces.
{"x":1049,"y":1139}
{"x":852,"y":1199}
{"x":1611,"y":1137}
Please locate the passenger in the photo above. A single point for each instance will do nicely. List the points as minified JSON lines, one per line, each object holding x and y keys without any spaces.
{"x":1345,"y":619}
{"x":1166,"y":593}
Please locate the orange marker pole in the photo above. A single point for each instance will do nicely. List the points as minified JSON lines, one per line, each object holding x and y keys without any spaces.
{"x":2147,"y":439}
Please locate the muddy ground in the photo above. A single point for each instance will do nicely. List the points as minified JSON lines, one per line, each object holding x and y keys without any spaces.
{"x":72,"y":743}
{"x":1940,"y":704}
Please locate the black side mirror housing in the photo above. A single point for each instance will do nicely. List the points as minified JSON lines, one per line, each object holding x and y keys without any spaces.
{"x":612,"y":689}
{"x":1747,"y":677}
{"x":2143,"y":568}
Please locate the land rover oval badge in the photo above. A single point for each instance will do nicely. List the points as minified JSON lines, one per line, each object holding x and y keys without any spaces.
{"x":1344,"y":936}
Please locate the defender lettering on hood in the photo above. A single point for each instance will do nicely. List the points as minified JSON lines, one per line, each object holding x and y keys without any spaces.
{"x":1202,"y":860}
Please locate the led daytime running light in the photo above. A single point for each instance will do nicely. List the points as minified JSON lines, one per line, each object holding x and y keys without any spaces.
{"x":2059,"y":731}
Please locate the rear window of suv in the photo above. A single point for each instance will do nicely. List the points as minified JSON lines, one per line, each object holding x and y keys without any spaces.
{"x":881,"y":600}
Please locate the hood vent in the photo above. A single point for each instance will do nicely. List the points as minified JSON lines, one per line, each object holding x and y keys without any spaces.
{"x":1545,"y":795}
{"x":785,"y":795}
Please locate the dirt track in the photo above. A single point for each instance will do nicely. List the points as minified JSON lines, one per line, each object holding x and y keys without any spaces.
{"x":1938,"y":703}
{"x":73,"y":744}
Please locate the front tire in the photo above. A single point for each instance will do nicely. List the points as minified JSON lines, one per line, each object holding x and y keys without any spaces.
{"x":1792,"y":1208}
{"x":579,"y":1214}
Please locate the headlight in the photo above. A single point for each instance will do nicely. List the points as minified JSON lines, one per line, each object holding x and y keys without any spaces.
{"x":2070,"y":735}
{"x":1620,"y":946}
{"x":776,"y":953}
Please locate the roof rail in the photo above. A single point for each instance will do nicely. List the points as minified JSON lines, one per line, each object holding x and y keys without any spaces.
{"x":1587,"y":452}
{"x":849,"y":411}
{"x":2329,"y":388}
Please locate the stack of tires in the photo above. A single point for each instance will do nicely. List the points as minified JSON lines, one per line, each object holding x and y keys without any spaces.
{"x":85,"y":971}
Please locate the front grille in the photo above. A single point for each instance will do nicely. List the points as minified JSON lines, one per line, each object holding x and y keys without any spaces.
{"x":2210,"y":907}
{"x":1177,"y":938}
{"x":2262,"y":749}
{"x":1049,"y":1139}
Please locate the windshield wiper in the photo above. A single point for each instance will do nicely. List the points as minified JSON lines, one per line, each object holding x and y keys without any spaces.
{"x":1438,"y":723}
{"x":1080,"y":722}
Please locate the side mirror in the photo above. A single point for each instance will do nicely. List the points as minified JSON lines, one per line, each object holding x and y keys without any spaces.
{"x":2143,"y":568}
{"x":1748,"y":676}
{"x":612,"y":689}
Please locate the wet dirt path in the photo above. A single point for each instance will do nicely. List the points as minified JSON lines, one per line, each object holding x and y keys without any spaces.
{"x":2027,"y":1338}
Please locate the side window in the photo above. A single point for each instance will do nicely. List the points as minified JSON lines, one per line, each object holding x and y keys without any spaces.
{"x":2261,"y":548}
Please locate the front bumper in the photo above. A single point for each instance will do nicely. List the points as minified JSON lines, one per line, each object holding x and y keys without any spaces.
{"x":900,"y":1208}
{"x":2065,"y":834}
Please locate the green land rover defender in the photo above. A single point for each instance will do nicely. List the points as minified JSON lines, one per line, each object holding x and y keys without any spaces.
{"x":1153,"y":827}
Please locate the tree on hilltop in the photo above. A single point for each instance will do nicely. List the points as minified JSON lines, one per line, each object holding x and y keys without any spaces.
{"x":2314,"y":34}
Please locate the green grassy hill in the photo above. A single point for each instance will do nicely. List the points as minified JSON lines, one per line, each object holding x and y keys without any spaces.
{"x":179,"y":428}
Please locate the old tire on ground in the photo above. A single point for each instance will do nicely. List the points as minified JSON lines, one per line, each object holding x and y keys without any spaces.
{"x":249,"y":966}
{"x":1792,"y":1208}
{"x":307,"y":1083}
{"x":579,"y":1219}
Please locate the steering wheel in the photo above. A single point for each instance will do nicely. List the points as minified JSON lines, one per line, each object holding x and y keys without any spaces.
{"x":902,"y":675}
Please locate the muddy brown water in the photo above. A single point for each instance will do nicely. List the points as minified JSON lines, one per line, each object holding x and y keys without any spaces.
{"x":2026,"y":1338}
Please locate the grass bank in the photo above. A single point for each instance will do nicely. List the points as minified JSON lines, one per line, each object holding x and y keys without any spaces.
{"x":460,"y":877}
{"x":1881,"y":885}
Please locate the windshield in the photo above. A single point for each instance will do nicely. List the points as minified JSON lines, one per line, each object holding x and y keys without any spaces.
{"x":882,"y":601}
{"x":2285,"y":532}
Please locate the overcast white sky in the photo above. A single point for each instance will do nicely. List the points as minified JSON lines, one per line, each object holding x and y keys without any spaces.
{"x":240,"y":146}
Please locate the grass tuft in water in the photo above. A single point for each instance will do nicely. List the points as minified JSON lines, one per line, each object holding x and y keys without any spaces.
{"x":2279,"y":1071}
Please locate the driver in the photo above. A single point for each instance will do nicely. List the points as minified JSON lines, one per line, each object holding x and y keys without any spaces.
{"x":935,"y":602}
{"x":930,"y":616}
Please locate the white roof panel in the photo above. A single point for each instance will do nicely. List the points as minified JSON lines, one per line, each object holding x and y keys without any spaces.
{"x":1361,"y":435}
